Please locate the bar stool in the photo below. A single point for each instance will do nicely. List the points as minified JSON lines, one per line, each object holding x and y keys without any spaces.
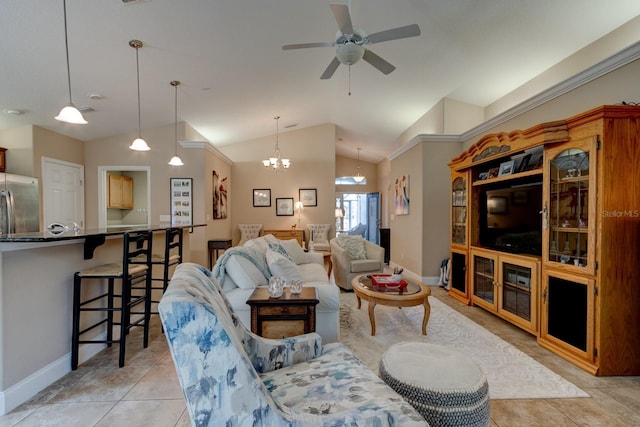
{"x":135,"y":274}
{"x":172,"y":256}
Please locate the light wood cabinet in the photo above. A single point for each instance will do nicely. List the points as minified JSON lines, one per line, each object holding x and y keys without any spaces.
{"x":575,"y":272}
{"x":120,"y":192}
{"x":459,"y":236}
{"x":287,"y":235}
{"x":506,"y":285}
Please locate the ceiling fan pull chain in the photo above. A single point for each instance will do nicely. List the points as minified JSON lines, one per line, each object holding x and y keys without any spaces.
{"x":349,"y":80}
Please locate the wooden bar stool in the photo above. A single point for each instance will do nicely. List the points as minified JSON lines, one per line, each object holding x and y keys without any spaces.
{"x":135,"y":303}
{"x":172,"y":256}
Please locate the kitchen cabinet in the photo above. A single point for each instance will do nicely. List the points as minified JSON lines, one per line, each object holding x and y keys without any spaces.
{"x":120,"y":192}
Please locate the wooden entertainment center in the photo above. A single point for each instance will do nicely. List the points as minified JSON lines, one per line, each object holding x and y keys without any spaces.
{"x":545,"y":233}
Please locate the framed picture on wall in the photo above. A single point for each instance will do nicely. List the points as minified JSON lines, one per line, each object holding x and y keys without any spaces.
{"x":261,"y":197}
{"x":308,"y":196}
{"x":181,"y":201}
{"x":284,"y":206}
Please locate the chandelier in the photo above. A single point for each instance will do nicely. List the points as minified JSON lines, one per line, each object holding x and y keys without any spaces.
{"x":358,"y":178}
{"x":276,"y":161}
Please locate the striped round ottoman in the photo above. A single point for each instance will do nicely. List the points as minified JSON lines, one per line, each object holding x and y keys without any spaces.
{"x":446,"y":387}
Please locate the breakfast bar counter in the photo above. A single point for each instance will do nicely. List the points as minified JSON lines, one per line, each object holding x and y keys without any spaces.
{"x":36,"y":286}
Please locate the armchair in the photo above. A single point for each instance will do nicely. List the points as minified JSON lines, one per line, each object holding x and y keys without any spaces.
{"x":319,"y":237}
{"x":346,"y":265}
{"x":248,"y":232}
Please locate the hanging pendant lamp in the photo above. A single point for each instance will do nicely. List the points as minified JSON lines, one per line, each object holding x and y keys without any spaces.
{"x":69,"y":113}
{"x":176,"y":160}
{"x":138,"y":144}
{"x":358,"y":178}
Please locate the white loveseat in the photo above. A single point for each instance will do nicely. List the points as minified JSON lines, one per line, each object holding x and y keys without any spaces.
{"x":241,"y":268}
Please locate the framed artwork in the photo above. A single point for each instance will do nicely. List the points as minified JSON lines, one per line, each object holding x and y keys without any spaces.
{"x":402,"y":195}
{"x":219,"y":196}
{"x":493,"y":172}
{"x":497,"y":205}
{"x":506,"y":168}
{"x":284,"y":206}
{"x":520,"y":198}
{"x":181,"y":201}
{"x":261,"y":197}
{"x":308,"y":196}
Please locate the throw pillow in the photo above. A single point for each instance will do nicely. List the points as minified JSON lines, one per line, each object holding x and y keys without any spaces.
{"x":244,"y":273}
{"x":354,"y":246}
{"x":282,"y":266}
{"x":280,"y":249}
{"x":294,"y":251}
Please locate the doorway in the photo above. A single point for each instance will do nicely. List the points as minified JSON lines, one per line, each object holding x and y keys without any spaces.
{"x":62,"y":192}
{"x":360,"y":215}
{"x":140,"y":213}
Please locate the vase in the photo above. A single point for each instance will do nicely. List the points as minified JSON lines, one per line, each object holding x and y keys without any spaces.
{"x":276,"y":287}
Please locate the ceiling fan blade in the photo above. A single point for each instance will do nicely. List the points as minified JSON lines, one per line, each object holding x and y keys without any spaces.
{"x":306,"y":45}
{"x":378,"y":62}
{"x":394,"y":33}
{"x":343,"y":18}
{"x":333,"y":66}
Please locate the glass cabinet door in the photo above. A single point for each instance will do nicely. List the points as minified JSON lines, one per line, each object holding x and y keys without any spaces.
{"x":483,"y":278}
{"x":459,"y":211}
{"x":569,"y":209}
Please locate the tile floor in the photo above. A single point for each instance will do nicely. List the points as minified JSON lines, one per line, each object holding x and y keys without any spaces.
{"x":146,"y":391}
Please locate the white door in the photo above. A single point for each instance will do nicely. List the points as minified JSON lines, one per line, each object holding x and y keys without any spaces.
{"x":63,"y":192}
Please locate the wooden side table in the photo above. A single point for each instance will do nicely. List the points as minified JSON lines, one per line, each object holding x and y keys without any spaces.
{"x":217,"y":246}
{"x":283,"y":317}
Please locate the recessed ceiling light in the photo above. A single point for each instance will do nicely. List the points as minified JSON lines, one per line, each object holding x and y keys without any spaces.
{"x":291,"y":125}
{"x":94,"y":96}
{"x":14,"y":112}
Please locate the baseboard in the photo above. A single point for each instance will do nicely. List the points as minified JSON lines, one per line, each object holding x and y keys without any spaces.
{"x":26,"y":389}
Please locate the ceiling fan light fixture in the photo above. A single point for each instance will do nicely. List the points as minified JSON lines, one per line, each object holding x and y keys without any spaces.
{"x":349,"y":53}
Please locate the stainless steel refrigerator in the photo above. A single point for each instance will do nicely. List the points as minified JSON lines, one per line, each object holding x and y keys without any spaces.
{"x":19,"y":203}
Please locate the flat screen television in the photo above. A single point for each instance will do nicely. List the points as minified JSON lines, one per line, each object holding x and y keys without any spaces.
{"x":510,"y":219}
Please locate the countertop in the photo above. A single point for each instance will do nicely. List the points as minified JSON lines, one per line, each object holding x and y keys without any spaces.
{"x":92,"y":237}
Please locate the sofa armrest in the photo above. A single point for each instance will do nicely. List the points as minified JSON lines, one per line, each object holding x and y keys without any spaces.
{"x":374,"y":251}
{"x":269,"y":354}
{"x":314,"y":258}
{"x":339,"y":256}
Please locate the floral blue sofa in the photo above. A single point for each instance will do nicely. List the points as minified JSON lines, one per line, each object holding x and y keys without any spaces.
{"x":231,"y":377}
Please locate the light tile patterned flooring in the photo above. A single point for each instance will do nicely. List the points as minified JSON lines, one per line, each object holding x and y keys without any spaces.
{"x":146,"y":391}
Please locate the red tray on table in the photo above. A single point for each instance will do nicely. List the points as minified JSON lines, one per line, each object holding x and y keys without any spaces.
{"x":385,"y":282}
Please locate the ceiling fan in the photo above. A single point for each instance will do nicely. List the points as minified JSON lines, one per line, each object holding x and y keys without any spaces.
{"x":350,"y":42}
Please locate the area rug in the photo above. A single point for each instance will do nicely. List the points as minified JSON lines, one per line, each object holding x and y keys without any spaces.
{"x":511,"y":373}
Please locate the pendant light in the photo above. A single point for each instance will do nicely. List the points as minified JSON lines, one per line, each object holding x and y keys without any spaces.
{"x":176,"y":160}
{"x":69,"y":113}
{"x":358,"y":178}
{"x":138,"y":144}
{"x":275,"y":161}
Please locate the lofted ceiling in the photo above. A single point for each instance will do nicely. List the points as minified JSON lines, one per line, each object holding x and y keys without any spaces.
{"x":236,"y":78}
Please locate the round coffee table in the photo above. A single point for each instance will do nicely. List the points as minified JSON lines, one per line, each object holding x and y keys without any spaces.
{"x":414,"y":294}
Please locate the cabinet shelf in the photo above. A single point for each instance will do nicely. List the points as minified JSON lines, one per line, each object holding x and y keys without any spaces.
{"x":570,"y":229}
{"x":524,"y":174}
